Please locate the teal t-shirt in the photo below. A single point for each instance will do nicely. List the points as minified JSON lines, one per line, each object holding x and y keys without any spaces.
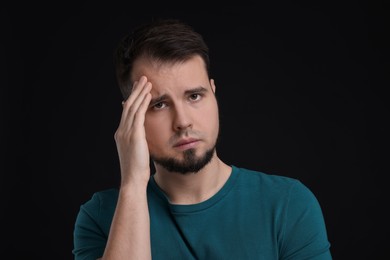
{"x":253,"y":216}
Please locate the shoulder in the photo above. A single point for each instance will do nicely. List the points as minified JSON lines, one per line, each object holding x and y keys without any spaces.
{"x":102,"y":199}
{"x":95,"y":215}
{"x":266,"y":180}
{"x":274,"y":186}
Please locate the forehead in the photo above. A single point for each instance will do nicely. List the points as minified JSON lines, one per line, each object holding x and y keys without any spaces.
{"x":162,"y":75}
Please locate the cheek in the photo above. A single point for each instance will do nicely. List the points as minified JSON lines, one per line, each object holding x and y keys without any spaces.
{"x":150,"y":131}
{"x":216,"y":123}
{"x":215,"y":112}
{"x":210,"y":118}
{"x":155,"y":131}
{"x":216,"y":119}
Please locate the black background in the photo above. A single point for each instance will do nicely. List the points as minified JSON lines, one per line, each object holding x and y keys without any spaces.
{"x":301,"y":89}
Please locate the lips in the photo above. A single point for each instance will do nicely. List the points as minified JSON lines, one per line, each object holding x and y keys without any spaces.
{"x":186,"y":142}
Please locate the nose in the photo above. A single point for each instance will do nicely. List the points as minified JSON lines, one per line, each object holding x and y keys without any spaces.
{"x":181,"y":118}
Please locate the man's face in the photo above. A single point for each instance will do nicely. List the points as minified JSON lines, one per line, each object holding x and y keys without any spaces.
{"x":181,"y":123}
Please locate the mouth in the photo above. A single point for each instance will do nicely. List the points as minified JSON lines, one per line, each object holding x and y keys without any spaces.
{"x":184,"y":144}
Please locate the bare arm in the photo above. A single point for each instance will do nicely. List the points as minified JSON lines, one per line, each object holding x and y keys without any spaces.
{"x":129,"y":236}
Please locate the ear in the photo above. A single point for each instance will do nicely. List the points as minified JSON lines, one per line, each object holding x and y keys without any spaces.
{"x":213,"y":88}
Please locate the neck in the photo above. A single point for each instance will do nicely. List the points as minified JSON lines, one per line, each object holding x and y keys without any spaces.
{"x":193,"y":188}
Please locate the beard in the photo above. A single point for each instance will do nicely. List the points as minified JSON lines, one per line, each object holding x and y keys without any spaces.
{"x":189,"y":164}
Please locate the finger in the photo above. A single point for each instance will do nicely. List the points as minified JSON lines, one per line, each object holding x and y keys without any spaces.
{"x":138,"y":101}
{"x":139,"y":117}
{"x":135,"y":92}
{"x":136,"y":89}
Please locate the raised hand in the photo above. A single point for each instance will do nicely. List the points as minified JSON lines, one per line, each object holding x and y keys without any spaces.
{"x":130,"y":136}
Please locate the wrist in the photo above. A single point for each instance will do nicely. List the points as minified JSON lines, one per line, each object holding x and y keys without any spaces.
{"x":135,"y":183}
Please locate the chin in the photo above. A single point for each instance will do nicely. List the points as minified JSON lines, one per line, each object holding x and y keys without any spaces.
{"x":190,"y":161}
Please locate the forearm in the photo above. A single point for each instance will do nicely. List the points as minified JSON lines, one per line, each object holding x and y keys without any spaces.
{"x":129,"y":236}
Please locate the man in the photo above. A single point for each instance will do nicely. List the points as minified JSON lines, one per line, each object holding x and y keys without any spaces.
{"x":194,"y":206}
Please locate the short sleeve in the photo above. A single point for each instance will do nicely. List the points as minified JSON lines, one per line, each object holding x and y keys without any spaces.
{"x":89,"y":238}
{"x":304,"y":232}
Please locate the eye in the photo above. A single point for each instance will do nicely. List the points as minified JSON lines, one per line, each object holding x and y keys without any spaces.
{"x":159,"y":105}
{"x":195,"y":97}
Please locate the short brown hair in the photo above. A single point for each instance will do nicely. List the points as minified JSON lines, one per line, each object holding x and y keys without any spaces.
{"x":164,"y":40}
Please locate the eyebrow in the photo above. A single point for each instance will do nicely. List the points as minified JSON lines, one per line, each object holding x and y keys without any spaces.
{"x":187,"y":92}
